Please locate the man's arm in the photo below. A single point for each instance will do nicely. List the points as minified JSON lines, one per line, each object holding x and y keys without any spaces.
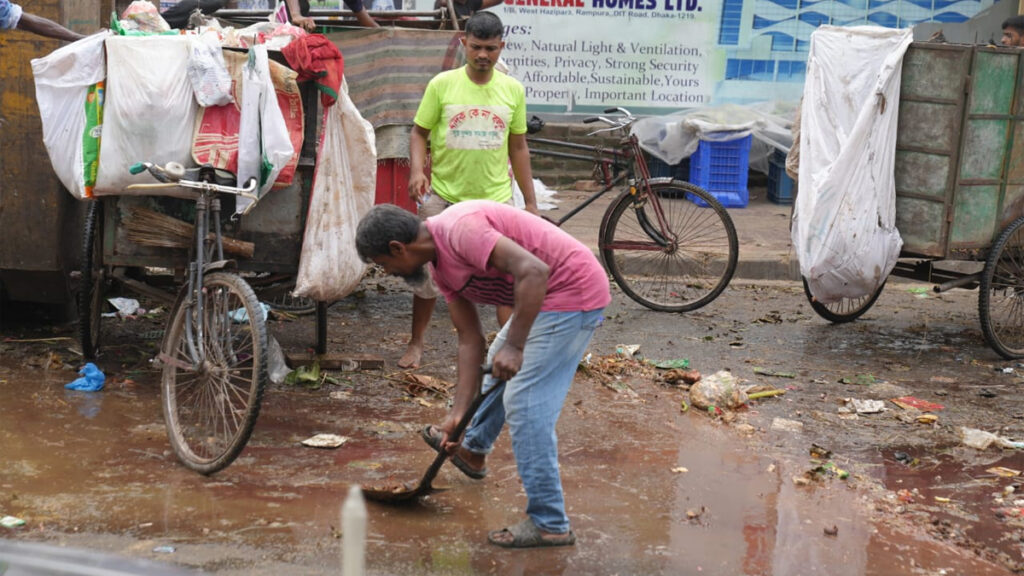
{"x":46,"y":27}
{"x":364,"y":19}
{"x":418,"y":181}
{"x":519,"y":154}
{"x":531,"y":286}
{"x":304,"y":22}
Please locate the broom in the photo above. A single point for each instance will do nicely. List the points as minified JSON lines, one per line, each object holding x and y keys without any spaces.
{"x":145,"y":226}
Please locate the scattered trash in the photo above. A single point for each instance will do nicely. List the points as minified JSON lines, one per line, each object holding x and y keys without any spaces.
{"x":420,"y":385}
{"x":767,"y":372}
{"x":1004,"y":472}
{"x":986,"y":393}
{"x":787,"y":425}
{"x":627,"y":350}
{"x":820,"y":452}
{"x":927,"y":419}
{"x":242,"y":314}
{"x":801,"y":480}
{"x":721,"y":389}
{"x":91,"y":379}
{"x":942,"y":500}
{"x":125,"y":307}
{"x":11,"y":522}
{"x":683,"y":406}
{"x":325,"y":441}
{"x":859,"y":379}
{"x":678,"y":363}
{"x":680,"y":470}
{"x":867,"y":406}
{"x":981,"y":439}
{"x":1004,"y":370}
{"x":694,"y":514}
{"x":309,"y":376}
{"x":901,"y":457}
{"x":765,"y":394}
{"x":675,"y":376}
{"x":827,"y":469}
{"x":919,"y":292}
{"x":277,"y":369}
{"x":833,"y":531}
{"x":164,"y":549}
{"x":910,"y":402}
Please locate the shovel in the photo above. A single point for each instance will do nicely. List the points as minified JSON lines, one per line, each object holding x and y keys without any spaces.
{"x":405,"y":492}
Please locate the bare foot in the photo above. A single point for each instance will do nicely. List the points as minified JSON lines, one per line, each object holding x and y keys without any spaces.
{"x":411,"y":358}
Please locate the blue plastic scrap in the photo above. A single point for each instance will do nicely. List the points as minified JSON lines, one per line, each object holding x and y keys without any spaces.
{"x":91,"y":380}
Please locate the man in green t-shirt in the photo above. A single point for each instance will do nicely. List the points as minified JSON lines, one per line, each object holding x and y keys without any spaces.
{"x":475,"y":120}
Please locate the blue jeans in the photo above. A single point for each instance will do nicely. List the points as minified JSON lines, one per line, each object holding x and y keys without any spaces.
{"x":531,"y":403}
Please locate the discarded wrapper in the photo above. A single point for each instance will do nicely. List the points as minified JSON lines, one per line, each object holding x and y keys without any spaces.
{"x":325,"y":441}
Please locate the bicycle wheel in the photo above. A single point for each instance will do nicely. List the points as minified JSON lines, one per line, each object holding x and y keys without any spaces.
{"x":681,"y":268}
{"x":93,"y":282}
{"x":210,"y":410}
{"x":845,"y":310}
{"x":1001,"y":297}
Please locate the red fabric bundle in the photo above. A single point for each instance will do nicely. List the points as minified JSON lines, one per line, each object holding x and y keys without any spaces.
{"x":316,"y":58}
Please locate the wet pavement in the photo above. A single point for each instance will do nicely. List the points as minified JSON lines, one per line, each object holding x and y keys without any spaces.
{"x":651,"y":489}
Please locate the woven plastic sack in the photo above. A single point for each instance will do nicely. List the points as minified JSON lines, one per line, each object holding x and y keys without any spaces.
{"x":343,"y":191}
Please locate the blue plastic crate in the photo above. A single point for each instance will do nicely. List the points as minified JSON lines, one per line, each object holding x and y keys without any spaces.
{"x":721,"y":168}
{"x":660,"y":169}
{"x":780,"y":185}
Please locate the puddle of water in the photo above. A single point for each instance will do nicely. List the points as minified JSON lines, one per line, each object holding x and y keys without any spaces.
{"x":100,"y":465}
{"x":956,"y":486}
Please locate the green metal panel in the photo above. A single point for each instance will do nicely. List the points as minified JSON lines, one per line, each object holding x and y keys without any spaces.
{"x":987,"y":142}
{"x":932,"y":101}
{"x":983,"y":149}
{"x":910,"y":213}
{"x":973,"y":223}
{"x":922,"y":174}
{"x":936,"y":126}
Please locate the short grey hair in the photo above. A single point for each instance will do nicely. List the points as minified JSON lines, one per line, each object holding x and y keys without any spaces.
{"x":380,"y":226}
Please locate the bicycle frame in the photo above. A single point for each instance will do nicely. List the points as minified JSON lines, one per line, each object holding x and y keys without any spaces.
{"x":615,"y":168}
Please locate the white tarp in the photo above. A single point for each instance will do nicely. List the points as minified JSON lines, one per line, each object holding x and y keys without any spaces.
{"x":844,"y":219}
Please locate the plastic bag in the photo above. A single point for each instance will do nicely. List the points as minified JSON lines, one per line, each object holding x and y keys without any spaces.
{"x":149,"y":111}
{"x":343,"y":191}
{"x":216,"y":136}
{"x":264,"y":144}
{"x":208,"y":73}
{"x":92,"y":379}
{"x":143,"y":16}
{"x":70,"y":94}
{"x":844,"y":218}
{"x":721,"y":390}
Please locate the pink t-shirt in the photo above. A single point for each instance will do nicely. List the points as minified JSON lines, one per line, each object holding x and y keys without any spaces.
{"x":465,"y":235}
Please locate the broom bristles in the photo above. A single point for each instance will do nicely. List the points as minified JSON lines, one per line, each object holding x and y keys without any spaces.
{"x":150,"y":228}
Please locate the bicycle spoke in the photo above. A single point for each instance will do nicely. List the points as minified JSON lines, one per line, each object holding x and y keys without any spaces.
{"x":676,"y":267}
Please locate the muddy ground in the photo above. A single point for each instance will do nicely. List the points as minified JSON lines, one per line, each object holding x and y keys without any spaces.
{"x":651,"y":488}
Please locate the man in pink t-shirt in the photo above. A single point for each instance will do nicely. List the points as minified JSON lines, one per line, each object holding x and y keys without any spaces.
{"x":483,"y":252}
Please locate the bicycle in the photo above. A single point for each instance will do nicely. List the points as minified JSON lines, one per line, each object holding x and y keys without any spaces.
{"x":214,"y":352}
{"x":668,"y":244}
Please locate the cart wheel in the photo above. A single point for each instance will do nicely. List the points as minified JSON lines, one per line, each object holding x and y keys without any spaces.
{"x":1001,"y":300}
{"x":210,"y":407}
{"x":94,"y":282}
{"x":845,"y":310}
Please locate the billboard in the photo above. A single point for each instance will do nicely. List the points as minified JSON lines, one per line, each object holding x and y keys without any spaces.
{"x":660,"y":56}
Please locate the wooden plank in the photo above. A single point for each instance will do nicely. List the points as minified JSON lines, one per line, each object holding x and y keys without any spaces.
{"x":334,"y":360}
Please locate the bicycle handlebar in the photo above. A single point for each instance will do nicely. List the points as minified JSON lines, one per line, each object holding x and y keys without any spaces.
{"x":173,"y":174}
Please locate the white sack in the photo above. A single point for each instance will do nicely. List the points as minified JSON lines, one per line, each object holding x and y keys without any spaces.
{"x":149,"y":111}
{"x":264,"y":145}
{"x":844,"y":220}
{"x":344,"y":187}
{"x":63,"y":79}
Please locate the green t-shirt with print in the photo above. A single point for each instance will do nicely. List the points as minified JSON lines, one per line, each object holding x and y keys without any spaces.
{"x":469,"y":126}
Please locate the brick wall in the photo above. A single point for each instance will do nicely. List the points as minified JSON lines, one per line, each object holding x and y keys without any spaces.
{"x":555,"y":172}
